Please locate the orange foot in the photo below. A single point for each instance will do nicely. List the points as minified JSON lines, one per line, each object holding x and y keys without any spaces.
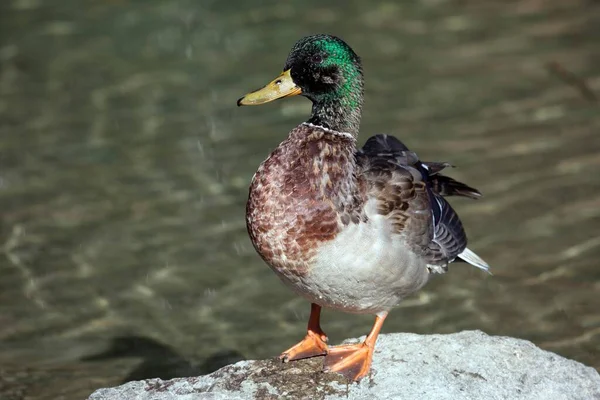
{"x":353,"y":361}
{"x":314,"y":344}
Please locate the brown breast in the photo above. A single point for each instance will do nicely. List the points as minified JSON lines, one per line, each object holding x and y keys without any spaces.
{"x":301,"y":196}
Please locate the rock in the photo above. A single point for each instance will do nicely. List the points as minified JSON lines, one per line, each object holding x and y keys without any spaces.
{"x":466,"y":365}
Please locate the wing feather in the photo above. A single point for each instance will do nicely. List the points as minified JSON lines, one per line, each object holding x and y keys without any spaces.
{"x":410,"y":193}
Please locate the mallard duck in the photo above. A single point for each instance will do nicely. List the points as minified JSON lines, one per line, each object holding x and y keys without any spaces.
{"x":354,"y":231}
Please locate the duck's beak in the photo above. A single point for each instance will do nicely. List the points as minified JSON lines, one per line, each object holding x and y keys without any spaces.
{"x":282,"y":86}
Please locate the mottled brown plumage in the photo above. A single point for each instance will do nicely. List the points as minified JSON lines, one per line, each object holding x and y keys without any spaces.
{"x":303,"y":194}
{"x":351,"y":230}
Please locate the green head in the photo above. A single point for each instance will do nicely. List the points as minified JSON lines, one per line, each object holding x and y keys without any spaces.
{"x":326,"y":70}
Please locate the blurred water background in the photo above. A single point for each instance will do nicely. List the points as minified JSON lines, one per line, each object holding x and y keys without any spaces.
{"x":124,"y":167}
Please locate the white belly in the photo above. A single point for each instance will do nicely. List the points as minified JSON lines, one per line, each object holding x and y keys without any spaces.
{"x":365,"y":269}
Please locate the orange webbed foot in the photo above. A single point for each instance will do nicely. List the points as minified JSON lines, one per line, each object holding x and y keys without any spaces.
{"x":314,"y":344}
{"x":353,"y":361}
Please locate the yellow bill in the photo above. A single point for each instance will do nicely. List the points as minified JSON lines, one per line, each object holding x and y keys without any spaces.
{"x":282,"y":86}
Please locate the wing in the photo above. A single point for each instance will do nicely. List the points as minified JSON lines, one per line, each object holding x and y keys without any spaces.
{"x":400,"y":188}
{"x":410,"y":193}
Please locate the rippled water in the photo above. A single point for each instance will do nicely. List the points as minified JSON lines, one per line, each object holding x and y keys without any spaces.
{"x":124,"y":166}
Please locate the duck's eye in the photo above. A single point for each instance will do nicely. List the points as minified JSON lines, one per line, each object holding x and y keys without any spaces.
{"x":278,"y":82}
{"x":317,"y":59}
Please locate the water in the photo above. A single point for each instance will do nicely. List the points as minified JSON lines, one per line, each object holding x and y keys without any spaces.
{"x":124,"y":166}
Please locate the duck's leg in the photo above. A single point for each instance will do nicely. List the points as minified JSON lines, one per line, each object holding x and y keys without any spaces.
{"x":315,"y":342}
{"x":354,"y":360}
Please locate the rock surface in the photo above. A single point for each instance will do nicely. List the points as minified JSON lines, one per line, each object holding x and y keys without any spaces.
{"x":466,"y":365}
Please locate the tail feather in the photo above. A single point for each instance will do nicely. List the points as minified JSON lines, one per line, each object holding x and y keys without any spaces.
{"x":385,"y":145}
{"x":447,"y":186}
{"x":433,"y":167}
{"x":473,"y":259}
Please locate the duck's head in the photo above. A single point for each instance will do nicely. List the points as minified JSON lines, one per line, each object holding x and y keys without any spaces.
{"x":326,"y":70}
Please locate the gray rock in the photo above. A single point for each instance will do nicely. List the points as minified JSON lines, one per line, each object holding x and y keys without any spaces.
{"x":466,"y":365}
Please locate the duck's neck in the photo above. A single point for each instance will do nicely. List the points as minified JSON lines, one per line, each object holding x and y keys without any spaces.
{"x":340,"y":111}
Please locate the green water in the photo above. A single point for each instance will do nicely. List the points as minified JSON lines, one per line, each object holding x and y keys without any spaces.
{"x":124,"y":167}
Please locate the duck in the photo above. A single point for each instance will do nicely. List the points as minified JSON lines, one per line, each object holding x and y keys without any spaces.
{"x":349,"y":229}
